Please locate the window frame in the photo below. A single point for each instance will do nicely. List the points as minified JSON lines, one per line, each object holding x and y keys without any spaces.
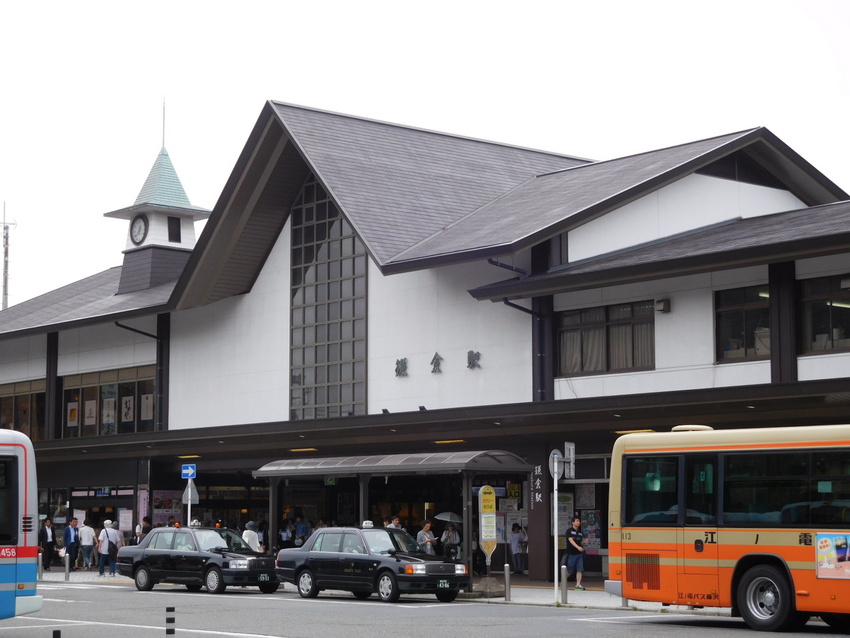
{"x":836,"y":299}
{"x":755,"y":302}
{"x":641,"y":313}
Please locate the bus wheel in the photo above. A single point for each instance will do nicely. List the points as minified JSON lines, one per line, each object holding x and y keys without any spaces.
{"x":838,"y":622}
{"x":764,"y":599}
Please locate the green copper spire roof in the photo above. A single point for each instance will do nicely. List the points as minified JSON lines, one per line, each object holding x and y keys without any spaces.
{"x":162,"y":186}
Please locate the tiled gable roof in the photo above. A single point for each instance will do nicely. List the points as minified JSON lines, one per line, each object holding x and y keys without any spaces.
{"x":399,"y":185}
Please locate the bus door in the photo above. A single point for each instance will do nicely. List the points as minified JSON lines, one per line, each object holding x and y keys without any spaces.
{"x":698,"y":548}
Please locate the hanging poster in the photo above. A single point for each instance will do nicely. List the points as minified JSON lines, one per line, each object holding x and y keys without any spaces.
{"x":127,"y":404}
{"x":107,"y":424}
{"x":73,"y":414}
{"x":590,"y":526}
{"x":90,"y":414}
{"x":147,"y":407}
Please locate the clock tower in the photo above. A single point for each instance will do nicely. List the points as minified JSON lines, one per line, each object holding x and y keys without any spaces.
{"x":161,"y":233}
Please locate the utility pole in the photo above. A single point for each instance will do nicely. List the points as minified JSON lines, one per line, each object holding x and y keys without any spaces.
{"x":6,"y":259}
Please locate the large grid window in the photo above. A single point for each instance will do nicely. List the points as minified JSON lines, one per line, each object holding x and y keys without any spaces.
{"x":608,"y":339}
{"x":109,"y":402}
{"x":742,"y":319}
{"x":826,"y":314}
{"x":328,"y":340}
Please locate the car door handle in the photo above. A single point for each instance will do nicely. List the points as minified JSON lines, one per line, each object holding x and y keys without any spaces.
{"x":698,"y":545}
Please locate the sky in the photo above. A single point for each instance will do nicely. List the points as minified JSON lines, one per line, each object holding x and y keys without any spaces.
{"x":83,"y":85}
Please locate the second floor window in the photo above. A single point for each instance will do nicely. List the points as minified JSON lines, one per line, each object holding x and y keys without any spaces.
{"x":615,"y":338}
{"x":826,"y":314}
{"x":743,"y":323}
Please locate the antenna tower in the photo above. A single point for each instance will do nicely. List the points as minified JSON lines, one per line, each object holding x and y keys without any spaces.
{"x":6,"y":259}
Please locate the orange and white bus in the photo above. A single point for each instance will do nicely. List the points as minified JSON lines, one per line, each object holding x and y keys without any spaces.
{"x":757,"y":520}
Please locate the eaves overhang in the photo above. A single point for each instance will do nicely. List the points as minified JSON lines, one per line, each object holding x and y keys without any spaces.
{"x":792,"y":235}
{"x":568,"y":281}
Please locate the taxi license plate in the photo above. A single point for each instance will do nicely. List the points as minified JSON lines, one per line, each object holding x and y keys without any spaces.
{"x":443,"y":584}
{"x":263,"y":577}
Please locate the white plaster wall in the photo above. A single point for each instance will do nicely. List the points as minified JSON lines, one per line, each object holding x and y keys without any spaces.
{"x":692,"y":202}
{"x":416,"y":315}
{"x":106,"y":347}
{"x":23,"y":359}
{"x":684,"y":338}
{"x":230,"y":359}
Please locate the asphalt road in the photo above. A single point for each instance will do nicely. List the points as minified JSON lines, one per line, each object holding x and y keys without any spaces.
{"x":115,"y":609}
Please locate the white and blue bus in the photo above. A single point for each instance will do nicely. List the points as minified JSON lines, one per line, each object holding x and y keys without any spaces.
{"x":18,"y":526}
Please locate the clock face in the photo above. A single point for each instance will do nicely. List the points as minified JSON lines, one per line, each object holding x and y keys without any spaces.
{"x":138,"y":229}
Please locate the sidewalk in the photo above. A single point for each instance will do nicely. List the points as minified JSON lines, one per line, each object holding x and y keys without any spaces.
{"x":524,"y":591}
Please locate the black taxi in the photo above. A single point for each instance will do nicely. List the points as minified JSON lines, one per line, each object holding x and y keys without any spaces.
{"x":211,"y":557}
{"x":369,"y":560}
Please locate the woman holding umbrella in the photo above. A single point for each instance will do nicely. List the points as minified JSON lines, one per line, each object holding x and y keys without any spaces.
{"x":450,"y":540}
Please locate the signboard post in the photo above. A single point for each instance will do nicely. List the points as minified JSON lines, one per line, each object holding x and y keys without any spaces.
{"x":556,"y":469}
{"x":190,"y":494}
{"x":487,"y":535}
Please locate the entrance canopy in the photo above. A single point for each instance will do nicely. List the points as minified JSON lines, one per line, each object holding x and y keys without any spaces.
{"x":486,"y":461}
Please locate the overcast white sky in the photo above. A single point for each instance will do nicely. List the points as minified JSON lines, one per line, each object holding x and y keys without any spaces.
{"x":83,"y":83}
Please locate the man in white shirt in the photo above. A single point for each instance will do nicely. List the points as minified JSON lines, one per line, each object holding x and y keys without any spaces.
{"x":250,"y":536}
{"x":87,"y":535}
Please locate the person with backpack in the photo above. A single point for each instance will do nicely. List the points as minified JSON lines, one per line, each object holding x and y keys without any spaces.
{"x":107,"y":546}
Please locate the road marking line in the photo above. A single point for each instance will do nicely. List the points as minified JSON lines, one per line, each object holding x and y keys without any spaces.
{"x":206,"y":632}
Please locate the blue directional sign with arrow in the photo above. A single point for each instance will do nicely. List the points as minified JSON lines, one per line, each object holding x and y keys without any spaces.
{"x":189,"y":471}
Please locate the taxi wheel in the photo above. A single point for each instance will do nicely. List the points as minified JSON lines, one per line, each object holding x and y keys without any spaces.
{"x":143,"y":579}
{"x":447,"y":596}
{"x":269,"y":588}
{"x":213,"y":581}
{"x":388,"y":587}
{"x":307,"y":585}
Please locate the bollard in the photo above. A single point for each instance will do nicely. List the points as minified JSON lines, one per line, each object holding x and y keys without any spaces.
{"x":169,"y":620}
{"x":507,"y":583}
{"x":564,"y":588}
{"x":66,"y":560}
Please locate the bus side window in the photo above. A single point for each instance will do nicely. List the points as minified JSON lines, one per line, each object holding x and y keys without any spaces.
{"x":653,"y":489}
{"x":701,"y":495}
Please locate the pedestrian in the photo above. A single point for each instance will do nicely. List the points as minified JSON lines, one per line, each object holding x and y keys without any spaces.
{"x":143,"y":528}
{"x":87,"y":537}
{"x":71,"y":541}
{"x":46,"y":543}
{"x":301,"y":531}
{"x":575,"y":551}
{"x":517,"y":537}
{"x":285,"y":533}
{"x":250,"y":536}
{"x":107,"y":546}
{"x":426,"y":539}
{"x":396,"y":524}
{"x":450,"y":540}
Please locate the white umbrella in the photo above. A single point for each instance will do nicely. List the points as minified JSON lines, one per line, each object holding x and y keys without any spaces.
{"x":451,"y":517}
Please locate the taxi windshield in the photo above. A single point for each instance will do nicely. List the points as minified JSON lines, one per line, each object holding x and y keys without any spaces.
{"x":386,"y":540}
{"x":212,"y":539}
